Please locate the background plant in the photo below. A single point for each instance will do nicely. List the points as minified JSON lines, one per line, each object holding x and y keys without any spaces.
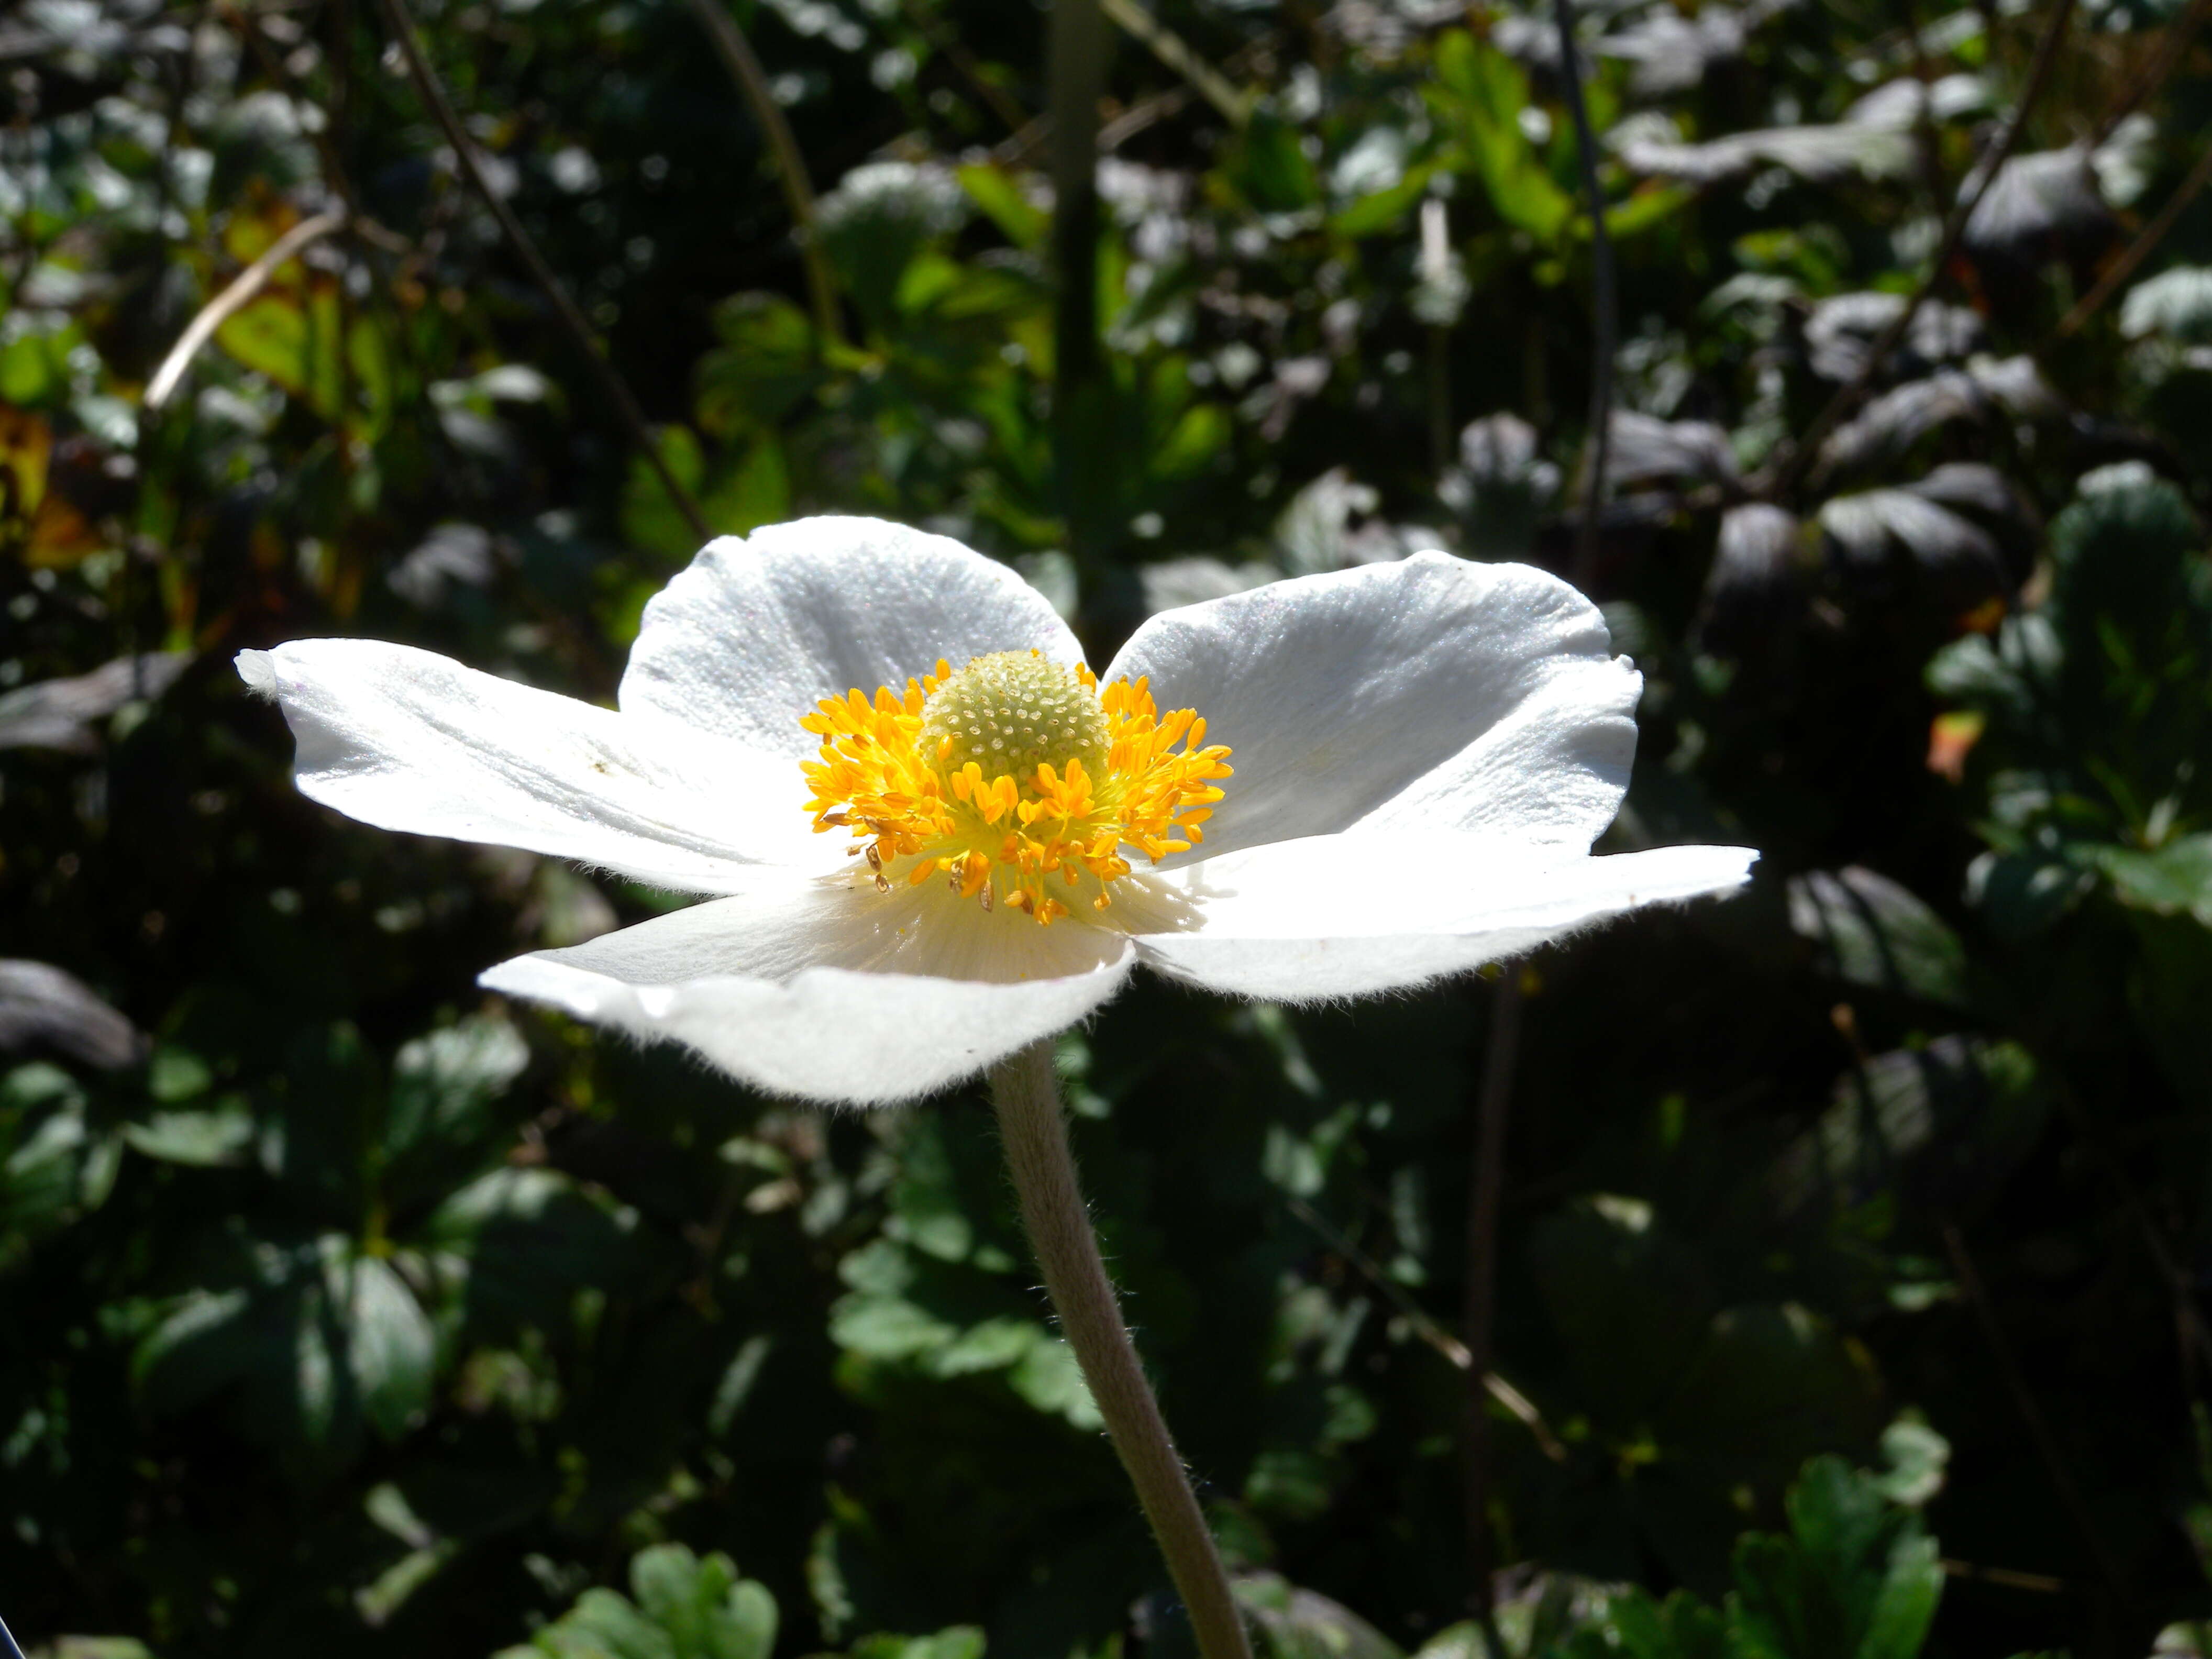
{"x":340,"y":1307}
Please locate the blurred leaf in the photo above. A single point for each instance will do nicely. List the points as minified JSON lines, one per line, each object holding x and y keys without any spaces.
{"x":997,"y":192}
{"x":1855,"y":1578}
{"x":961,"y":1641}
{"x":1770,"y":1386}
{"x":442,"y":1083}
{"x":315,"y":1338}
{"x":1382,"y":210}
{"x":292,"y":334}
{"x":2039,"y":202}
{"x":768,"y":362}
{"x":1300,"y":1624}
{"x":879,"y":218}
{"x":223,"y":1136}
{"x":1482,"y":92}
{"x":1866,"y":525}
{"x":1945,"y":1124}
{"x":40,"y":1006}
{"x":1819,"y":152}
{"x":1917,"y":1457}
{"x":687,"y":1607}
{"x":37,"y":524}
{"x":60,"y":713}
{"x":1643,"y":450}
{"x":2176,"y":879}
{"x":651,"y":520}
{"x":1631,"y":1301}
{"x":57,"y":1164}
{"x":2176,"y":302}
{"x":527,"y":1238}
{"x":736,"y":496}
{"x":1633,"y":1624}
{"x":1270,"y":165}
{"x":1050,"y":1379}
{"x":1872,"y":932}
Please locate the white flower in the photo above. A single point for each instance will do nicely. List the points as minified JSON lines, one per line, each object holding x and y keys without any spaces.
{"x":1423,"y":753}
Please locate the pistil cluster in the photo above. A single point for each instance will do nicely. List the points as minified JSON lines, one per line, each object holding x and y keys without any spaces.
{"x":1015,"y":780}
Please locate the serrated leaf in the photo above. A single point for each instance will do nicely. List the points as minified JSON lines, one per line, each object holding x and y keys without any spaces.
{"x":1856,"y":1577}
{"x":687,"y":1607}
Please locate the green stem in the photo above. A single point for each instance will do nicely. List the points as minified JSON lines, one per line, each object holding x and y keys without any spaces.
{"x":1034,"y":1129}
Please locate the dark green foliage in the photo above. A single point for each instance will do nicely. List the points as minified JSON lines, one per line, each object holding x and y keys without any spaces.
{"x":346,"y":1310}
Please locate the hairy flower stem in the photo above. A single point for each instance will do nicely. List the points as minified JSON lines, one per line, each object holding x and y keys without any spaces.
{"x":1034,"y":1129}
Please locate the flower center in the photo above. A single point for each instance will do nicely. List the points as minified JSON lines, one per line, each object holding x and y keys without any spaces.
{"x":1011,"y":713}
{"x":1017,"y":780}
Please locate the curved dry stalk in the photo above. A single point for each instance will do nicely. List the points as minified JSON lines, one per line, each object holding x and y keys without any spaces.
{"x":1164,"y":44}
{"x":1418,"y":1319}
{"x":2155,"y":73}
{"x":1798,"y":459}
{"x":1486,"y":1187}
{"x":2146,"y":241}
{"x":1034,"y":1129}
{"x":1605,"y":304}
{"x":745,"y":66}
{"x":617,"y":389}
{"x":234,"y":298}
{"x":2030,"y":1412}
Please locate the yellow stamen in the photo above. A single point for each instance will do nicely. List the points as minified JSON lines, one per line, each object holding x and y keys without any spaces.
{"x":1008,"y":772}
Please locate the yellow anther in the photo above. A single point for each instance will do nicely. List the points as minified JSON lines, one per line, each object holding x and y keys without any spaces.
{"x":1008,"y":772}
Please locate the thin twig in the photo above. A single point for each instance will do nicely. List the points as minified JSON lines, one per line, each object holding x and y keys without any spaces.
{"x":2154,"y":74}
{"x":1423,"y":1326}
{"x":2189,"y":1324}
{"x":745,"y":66}
{"x":943,"y":39}
{"x":1144,"y":113}
{"x":233,"y":299}
{"x":2024,"y":1400}
{"x":1033,"y":1128}
{"x":611,"y":384}
{"x":1799,"y":457}
{"x":1487,"y":1185}
{"x":1015,"y":152}
{"x":330,"y":135}
{"x":2146,"y":240}
{"x":1164,"y":44}
{"x":2009,"y":1577}
{"x":1604,"y":301}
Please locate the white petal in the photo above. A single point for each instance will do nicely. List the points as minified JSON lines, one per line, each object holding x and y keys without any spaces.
{"x":831,"y":991}
{"x":757,"y":632}
{"x":405,"y":739}
{"x":1430,"y":693}
{"x":1354,"y":915}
